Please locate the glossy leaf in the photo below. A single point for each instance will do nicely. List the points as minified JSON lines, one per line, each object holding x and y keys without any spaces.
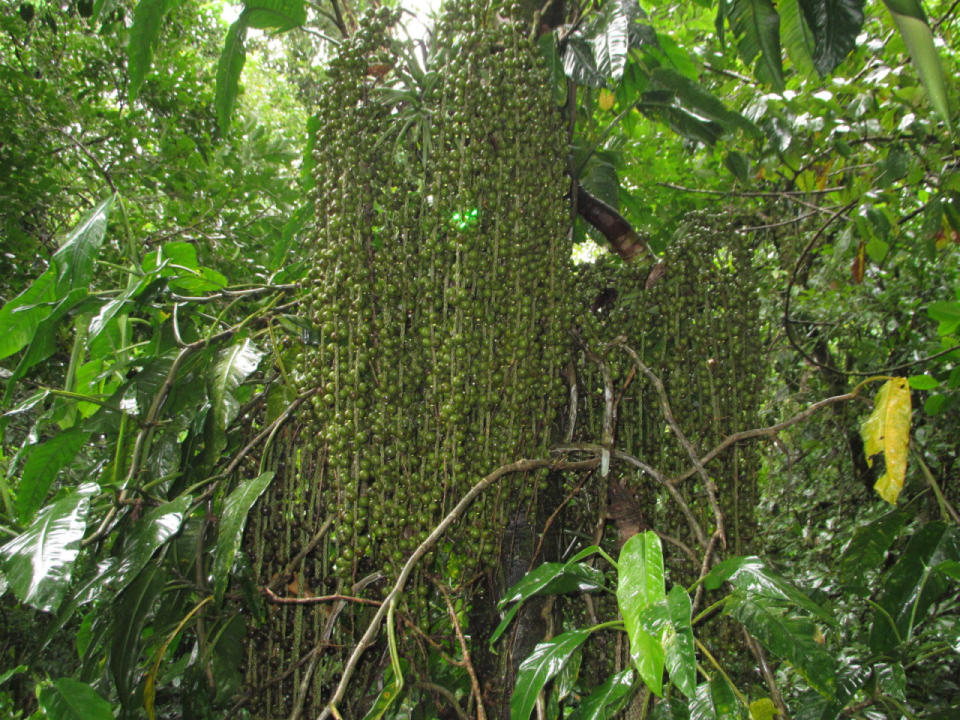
{"x":886,"y":437}
{"x":69,"y":699}
{"x":640,"y":591}
{"x":580,"y":65}
{"x":611,"y":44}
{"x":131,"y":608}
{"x":75,"y":258}
{"x":230,"y":532}
{"x":783,"y":632}
{"x":544,"y":662}
{"x":43,"y":462}
{"x":835,"y":25}
{"x":693,"y":97}
{"x":548,"y":579}
{"x":232,"y":58}
{"x":38,"y":563}
{"x":868,"y":546}
{"x":756,"y":25}
{"x":605,"y":700}
{"x":912,"y":23}
{"x":233,"y":365}
{"x":912,"y":586}
{"x":680,"y":650}
{"x":144,"y":38}
{"x":751,"y":575}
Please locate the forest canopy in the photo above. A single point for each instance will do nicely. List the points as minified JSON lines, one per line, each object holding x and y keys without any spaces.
{"x":568,"y":360}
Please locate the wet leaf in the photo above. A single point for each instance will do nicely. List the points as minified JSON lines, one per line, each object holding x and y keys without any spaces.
{"x":544,"y":662}
{"x":232,"y":521}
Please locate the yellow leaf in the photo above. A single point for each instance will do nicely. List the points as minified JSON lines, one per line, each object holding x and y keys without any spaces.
{"x":762,"y":709}
{"x":886,"y":437}
{"x":605,"y":101}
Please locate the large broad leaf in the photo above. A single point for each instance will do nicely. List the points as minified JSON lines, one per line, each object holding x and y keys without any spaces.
{"x":580,"y":65}
{"x":20,"y":317}
{"x":277,"y":14}
{"x":75,"y":258}
{"x":796,"y":36}
{"x":612,"y":41}
{"x":640,"y":592}
{"x":43,"y":462}
{"x":912,"y":23}
{"x":835,"y":25}
{"x":232,"y":521}
{"x":544,"y":662}
{"x":69,"y":699}
{"x":43,"y":344}
{"x":756,"y":25}
{"x":38,"y":563}
{"x":868,"y":546}
{"x":886,"y":437}
{"x":131,"y":610}
{"x":548,"y":579}
{"x":692,"y":96}
{"x":912,"y":585}
{"x":144,"y":37}
{"x":681,"y":655}
{"x":232,"y":367}
{"x":605,"y":701}
{"x":232,"y":58}
{"x":752,"y":576}
{"x":790,"y":636}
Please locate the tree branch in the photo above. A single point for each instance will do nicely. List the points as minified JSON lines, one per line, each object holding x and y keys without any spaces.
{"x":624,"y":240}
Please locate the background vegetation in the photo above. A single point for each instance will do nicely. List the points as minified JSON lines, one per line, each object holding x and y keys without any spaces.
{"x":792,"y":170}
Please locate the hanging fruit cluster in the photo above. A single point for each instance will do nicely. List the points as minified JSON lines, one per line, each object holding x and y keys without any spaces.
{"x":439,"y":299}
{"x":697,"y":328}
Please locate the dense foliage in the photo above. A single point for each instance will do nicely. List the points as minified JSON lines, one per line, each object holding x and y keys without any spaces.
{"x":316,"y":417}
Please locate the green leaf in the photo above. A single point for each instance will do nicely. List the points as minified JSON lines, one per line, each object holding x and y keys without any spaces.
{"x":43,"y":344}
{"x":611,"y":43}
{"x":278,"y":14}
{"x":868,"y":546}
{"x":20,"y":317}
{"x":548,"y":579}
{"x":69,"y":699}
{"x":232,"y":367}
{"x":38,"y":563}
{"x":143,"y":40}
{"x":694,"y":98}
{"x":604,"y":702}
{"x":75,"y":259}
{"x":947,"y":313}
{"x":797,"y":36}
{"x":835,"y":25}
{"x":911,"y":586}
{"x":923,"y":382}
{"x":784,"y":633}
{"x":568,"y":676}
{"x":544,"y":662}
{"x":911,"y":21}
{"x":757,"y":26}
{"x":580,"y":65}
{"x":724,"y":699}
{"x":640,"y":590}
{"x":43,"y":462}
{"x":229,"y":67}
{"x":155,"y":528}
{"x":392,"y":684}
{"x":130,"y":610}
{"x":681,"y":656}
{"x":548,"y":51}
{"x":738,"y":165}
{"x":232,"y":521}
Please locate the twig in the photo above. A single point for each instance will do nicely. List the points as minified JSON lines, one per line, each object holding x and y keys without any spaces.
{"x":770,"y":431}
{"x":318,"y":599}
{"x":553,"y":516}
{"x":708,"y":483}
{"x":374,"y":627}
{"x":771,"y":681}
{"x":450,"y":698}
{"x":474,"y":683}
